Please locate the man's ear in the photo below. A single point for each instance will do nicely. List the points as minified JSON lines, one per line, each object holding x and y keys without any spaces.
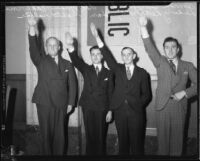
{"x":178,"y":49}
{"x":134,"y":56}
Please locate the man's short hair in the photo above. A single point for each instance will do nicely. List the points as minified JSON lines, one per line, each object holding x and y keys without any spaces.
{"x":133,"y":51}
{"x":52,"y":37}
{"x":94,"y":47}
{"x":169,"y":39}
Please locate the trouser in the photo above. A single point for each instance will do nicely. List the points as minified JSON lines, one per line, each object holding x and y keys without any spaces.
{"x":95,"y":131}
{"x":170,"y":128}
{"x":130,"y":127}
{"x":51,"y":122}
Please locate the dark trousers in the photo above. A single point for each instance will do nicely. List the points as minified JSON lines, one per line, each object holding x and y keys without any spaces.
{"x":130,"y":130}
{"x":51,"y":122}
{"x":95,"y":131}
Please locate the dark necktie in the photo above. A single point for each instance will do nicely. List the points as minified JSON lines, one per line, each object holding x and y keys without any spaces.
{"x":172,"y":65}
{"x":97,"y":70}
{"x":128,"y":73}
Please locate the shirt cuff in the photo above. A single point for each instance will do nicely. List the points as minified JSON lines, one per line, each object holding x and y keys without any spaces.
{"x":186,"y":94}
{"x":144,"y":32}
{"x":70,"y":49}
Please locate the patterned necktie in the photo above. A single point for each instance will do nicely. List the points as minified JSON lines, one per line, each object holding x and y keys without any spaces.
{"x":97,"y":70}
{"x":172,"y":65}
{"x":128,"y":73}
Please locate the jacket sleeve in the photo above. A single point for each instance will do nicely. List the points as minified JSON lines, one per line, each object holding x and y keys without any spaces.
{"x":72,"y":85}
{"x":152,"y":51}
{"x":146,"y":94}
{"x":192,"y":90}
{"x":77,"y":61}
{"x":35,"y":54}
{"x":112,"y":64}
{"x":110,"y":87}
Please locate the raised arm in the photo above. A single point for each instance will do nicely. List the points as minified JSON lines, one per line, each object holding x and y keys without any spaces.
{"x":72,"y":85}
{"x":148,"y":43}
{"x":77,"y":61}
{"x":112,"y":64}
{"x":35,"y":54}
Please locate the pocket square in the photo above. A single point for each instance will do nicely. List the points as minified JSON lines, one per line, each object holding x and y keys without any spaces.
{"x":66,"y":70}
{"x":105,"y":79}
{"x":185,"y":72}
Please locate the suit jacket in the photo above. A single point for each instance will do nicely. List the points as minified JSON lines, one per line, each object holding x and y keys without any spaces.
{"x":56,"y":84}
{"x":135,"y":91}
{"x":168,"y":82}
{"x":97,"y":90}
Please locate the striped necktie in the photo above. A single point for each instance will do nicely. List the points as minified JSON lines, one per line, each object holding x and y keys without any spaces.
{"x":172,"y":65}
{"x":128,"y":73}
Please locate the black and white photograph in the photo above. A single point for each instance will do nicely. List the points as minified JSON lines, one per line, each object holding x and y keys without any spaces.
{"x":100,"y":81}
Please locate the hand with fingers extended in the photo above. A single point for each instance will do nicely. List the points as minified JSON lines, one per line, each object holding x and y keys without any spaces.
{"x":143,"y":27}
{"x":32,"y":23}
{"x":143,"y":21}
{"x":94,"y":30}
{"x":69,"y":41}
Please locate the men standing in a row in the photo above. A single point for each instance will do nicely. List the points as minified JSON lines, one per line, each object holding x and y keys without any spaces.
{"x":55,"y":92}
{"x":95,"y":97}
{"x":171,"y":94}
{"x":131,"y":94}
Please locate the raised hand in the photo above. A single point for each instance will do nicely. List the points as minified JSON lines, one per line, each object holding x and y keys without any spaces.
{"x":143,"y":21}
{"x":94,"y":30}
{"x":31,"y":21}
{"x":68,"y":38}
{"x":69,"y":41}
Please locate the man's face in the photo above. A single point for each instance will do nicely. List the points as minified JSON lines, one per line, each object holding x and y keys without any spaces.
{"x":127,"y":56}
{"x":96,"y":56}
{"x":171,"y":49}
{"x":52,"y":47}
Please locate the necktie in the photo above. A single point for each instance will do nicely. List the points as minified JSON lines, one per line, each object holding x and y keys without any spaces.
{"x":97,"y":70}
{"x":128,"y":73}
{"x":56,"y":60}
{"x":172,"y":65}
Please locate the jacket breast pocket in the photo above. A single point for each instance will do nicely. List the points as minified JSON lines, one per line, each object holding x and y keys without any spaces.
{"x":184,"y":77}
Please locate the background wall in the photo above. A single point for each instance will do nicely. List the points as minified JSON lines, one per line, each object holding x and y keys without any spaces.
{"x":16,"y":36}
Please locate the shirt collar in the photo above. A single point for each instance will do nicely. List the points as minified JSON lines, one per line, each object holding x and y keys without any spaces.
{"x":131,"y":66}
{"x":98,"y":65}
{"x":175,"y":61}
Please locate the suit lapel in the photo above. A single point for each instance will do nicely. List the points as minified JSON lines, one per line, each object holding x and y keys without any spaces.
{"x":124,"y":76}
{"x":101,"y":73}
{"x":93,"y":75}
{"x":176,"y":78}
{"x":134,"y":77}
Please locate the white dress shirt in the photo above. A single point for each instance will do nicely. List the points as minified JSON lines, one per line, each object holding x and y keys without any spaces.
{"x":131,"y":68}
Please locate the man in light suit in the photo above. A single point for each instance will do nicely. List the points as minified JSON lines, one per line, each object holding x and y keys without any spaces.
{"x":171,"y":94}
{"x":95,"y":97}
{"x":131,"y":95}
{"x":54,"y":93}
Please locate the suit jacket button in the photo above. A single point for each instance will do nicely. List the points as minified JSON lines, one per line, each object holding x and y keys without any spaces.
{"x":126,"y":101}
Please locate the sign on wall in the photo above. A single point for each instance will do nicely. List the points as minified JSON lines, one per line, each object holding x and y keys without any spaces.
{"x":119,"y":27}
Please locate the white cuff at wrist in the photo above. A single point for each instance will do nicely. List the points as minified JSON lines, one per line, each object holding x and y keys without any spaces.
{"x":144,"y":32}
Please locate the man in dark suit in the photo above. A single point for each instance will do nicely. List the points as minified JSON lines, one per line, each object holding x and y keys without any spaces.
{"x":131,"y":95}
{"x":95,"y":97}
{"x":171,"y":94}
{"x":55,"y":92}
